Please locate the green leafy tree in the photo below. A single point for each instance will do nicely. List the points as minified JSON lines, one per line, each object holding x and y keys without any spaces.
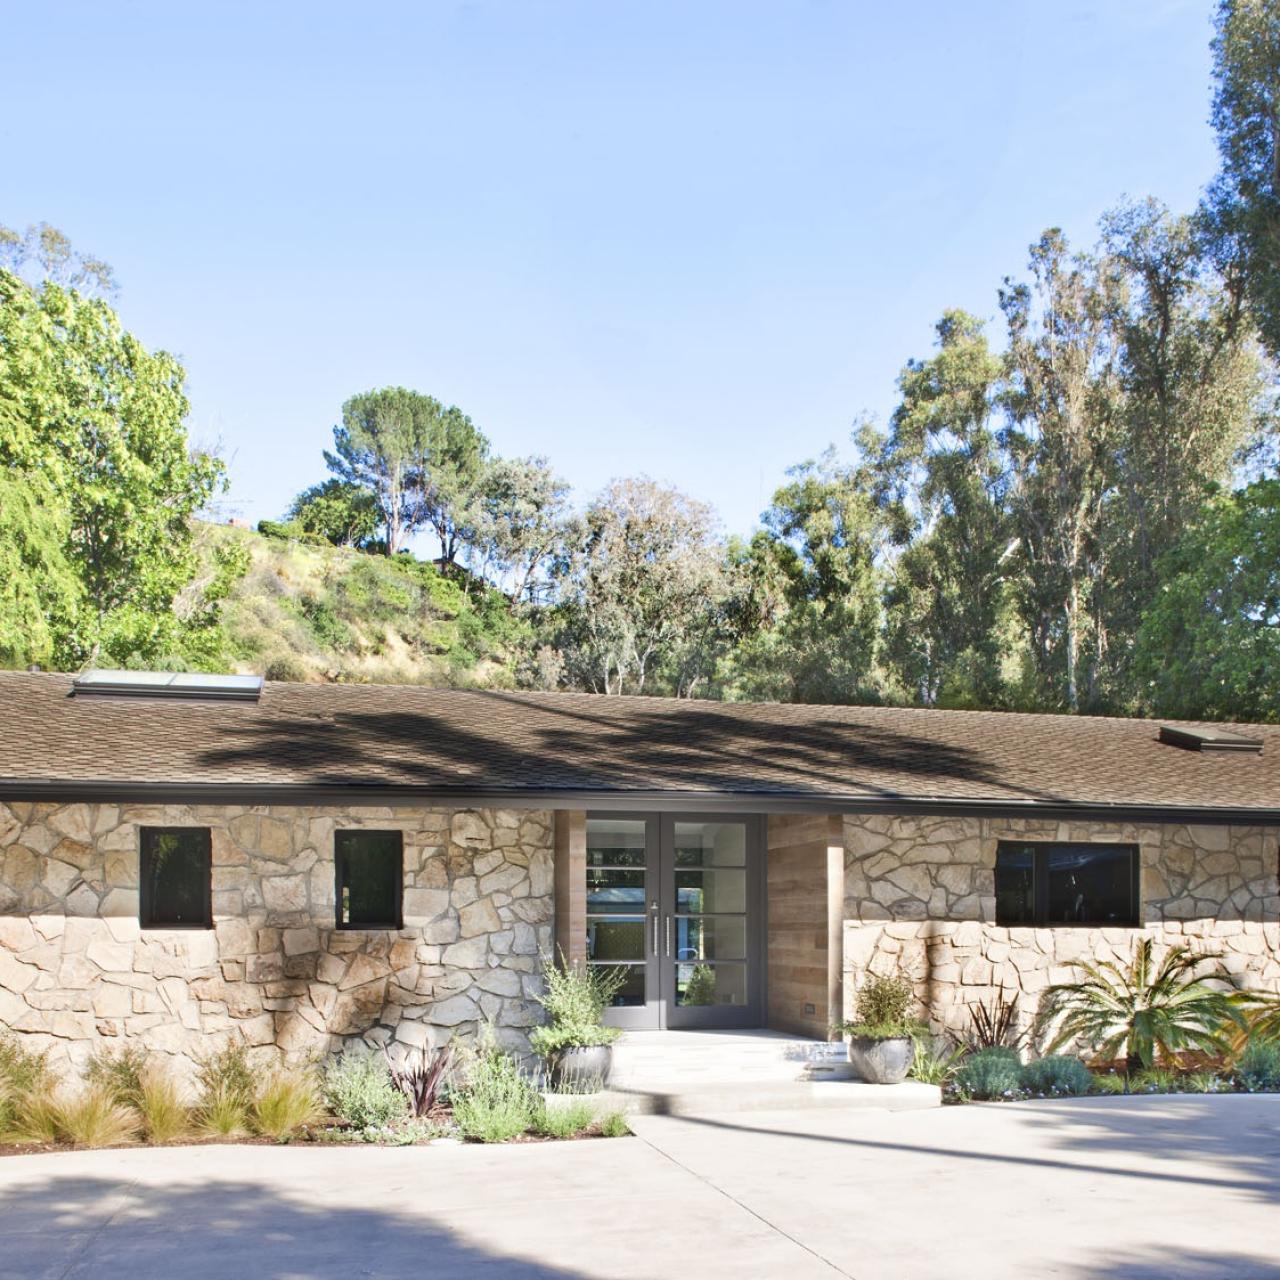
{"x":945,"y":483}
{"x":517,"y":523}
{"x":813,"y":588}
{"x":1242,"y":208}
{"x":448,"y":478}
{"x":100,"y":418}
{"x":1209,"y":644}
{"x":344,"y":513}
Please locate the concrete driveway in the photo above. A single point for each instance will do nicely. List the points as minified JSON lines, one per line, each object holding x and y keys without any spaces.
{"x":1150,"y":1188}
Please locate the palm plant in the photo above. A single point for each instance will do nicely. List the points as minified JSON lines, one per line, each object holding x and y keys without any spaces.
{"x":1145,"y":1008}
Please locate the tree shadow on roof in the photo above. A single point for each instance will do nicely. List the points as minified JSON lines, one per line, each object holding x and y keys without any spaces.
{"x":507,"y":741}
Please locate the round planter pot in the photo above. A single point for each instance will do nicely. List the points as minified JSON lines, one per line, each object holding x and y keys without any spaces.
{"x":583,"y":1069}
{"x":881,"y":1061}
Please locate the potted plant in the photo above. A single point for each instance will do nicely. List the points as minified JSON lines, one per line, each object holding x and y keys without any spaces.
{"x":574,"y":1042}
{"x":881,"y":1035}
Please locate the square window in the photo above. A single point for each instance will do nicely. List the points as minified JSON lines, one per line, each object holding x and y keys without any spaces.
{"x":1067,"y":884}
{"x":370,"y":878}
{"x":175,"y":878}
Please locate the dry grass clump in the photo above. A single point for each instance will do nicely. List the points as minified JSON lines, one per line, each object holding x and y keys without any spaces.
{"x":163,"y":1110}
{"x":286,"y":1102}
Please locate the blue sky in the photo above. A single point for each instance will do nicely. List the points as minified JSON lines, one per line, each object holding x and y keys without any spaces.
{"x":694,"y":240}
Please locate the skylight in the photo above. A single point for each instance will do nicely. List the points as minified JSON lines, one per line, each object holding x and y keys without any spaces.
{"x":168,"y":684}
{"x":1208,"y":739}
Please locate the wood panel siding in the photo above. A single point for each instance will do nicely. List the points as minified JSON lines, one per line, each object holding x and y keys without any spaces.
{"x":571,"y":886}
{"x":805,"y":884}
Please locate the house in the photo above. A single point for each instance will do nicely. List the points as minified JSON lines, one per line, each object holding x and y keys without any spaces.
{"x":183,"y":857}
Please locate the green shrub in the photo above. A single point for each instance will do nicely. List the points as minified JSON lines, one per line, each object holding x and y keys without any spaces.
{"x":358,"y":1088}
{"x":1259,"y":1066}
{"x":614,"y":1125}
{"x":227,"y":1073}
{"x":881,"y":1008}
{"x":1110,"y":1083}
{"x":931,"y":1065}
{"x":497,"y":1102}
{"x":22,"y":1070}
{"x":1204,"y":1082}
{"x":565,"y":1120}
{"x":1058,"y":1073}
{"x":286,"y":668}
{"x":990,"y":1073}
{"x":1153,"y":1080}
{"x":120,"y":1072}
{"x":575,"y":1001}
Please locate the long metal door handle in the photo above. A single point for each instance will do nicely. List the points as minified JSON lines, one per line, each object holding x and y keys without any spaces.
{"x":655,"y":935}
{"x":668,"y":937}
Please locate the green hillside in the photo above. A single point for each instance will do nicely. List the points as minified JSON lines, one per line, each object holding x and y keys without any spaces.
{"x":305,"y":611}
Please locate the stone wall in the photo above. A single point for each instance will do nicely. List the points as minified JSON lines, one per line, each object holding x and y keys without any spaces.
{"x":76,"y":970}
{"x":920,"y":894}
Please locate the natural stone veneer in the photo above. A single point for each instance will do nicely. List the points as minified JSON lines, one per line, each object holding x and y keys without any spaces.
{"x":76,"y":970}
{"x":920,"y":893}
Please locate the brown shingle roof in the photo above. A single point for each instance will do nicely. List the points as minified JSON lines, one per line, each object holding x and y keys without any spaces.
{"x":338,"y":736}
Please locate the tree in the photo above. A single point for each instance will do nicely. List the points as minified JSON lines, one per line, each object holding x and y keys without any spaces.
{"x":345,"y":513}
{"x":100,"y":419}
{"x":517,"y":522}
{"x":945,"y":483}
{"x":382,"y":437}
{"x":447,"y":477}
{"x":44,"y":253}
{"x":1242,"y":208}
{"x":641,"y":584}
{"x":1209,"y":645}
{"x":1060,"y":399}
{"x":813,"y":589}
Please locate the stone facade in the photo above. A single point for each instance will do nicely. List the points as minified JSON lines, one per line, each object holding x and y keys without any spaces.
{"x":76,"y":970}
{"x":920,"y":894}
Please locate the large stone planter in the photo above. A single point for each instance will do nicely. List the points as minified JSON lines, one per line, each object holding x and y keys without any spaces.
{"x":581,"y":1069}
{"x":881,"y":1061}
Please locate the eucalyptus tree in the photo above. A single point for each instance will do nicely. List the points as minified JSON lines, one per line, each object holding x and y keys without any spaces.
{"x":944,"y":482}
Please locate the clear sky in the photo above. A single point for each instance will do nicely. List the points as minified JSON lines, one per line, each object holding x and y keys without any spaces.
{"x":688,"y":239}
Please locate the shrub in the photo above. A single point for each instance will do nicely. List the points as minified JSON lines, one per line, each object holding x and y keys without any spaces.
{"x":1259,"y":1065}
{"x":930,"y":1065}
{"x":223,"y":1113}
{"x":1110,"y":1083}
{"x":37,"y":1116}
{"x":989,"y":1073}
{"x":120,"y":1072}
{"x":22,"y":1072}
{"x":358,"y":1088}
{"x":228,"y":1074}
{"x":994,"y":1023}
{"x":565,"y":1120}
{"x":1059,"y":1074}
{"x":286,"y":668}
{"x":165,"y":1116}
{"x":1153,"y":1080}
{"x":497,"y":1102}
{"x":575,"y":1001}
{"x":1145,"y":1009}
{"x":881,"y":1008}
{"x":94,"y":1118}
{"x":1204,"y":1082}
{"x":287,"y":1101}
{"x":614,"y":1125}
{"x":423,"y":1081}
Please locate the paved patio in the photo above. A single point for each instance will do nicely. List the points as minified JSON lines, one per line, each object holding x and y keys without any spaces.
{"x":1137,"y":1188}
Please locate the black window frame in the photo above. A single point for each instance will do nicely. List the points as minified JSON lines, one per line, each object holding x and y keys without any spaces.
{"x":339,"y":879}
{"x":147,"y":837}
{"x":1040,"y":851}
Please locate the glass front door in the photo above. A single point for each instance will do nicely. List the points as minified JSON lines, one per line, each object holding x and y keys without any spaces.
{"x":673,"y":902}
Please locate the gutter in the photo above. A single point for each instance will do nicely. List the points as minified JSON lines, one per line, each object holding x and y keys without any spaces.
{"x":605,"y":800}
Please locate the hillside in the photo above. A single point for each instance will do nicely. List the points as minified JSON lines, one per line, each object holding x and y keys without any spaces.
{"x":305,"y":611}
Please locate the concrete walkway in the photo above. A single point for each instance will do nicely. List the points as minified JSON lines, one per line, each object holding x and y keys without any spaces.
{"x":1144,"y":1188}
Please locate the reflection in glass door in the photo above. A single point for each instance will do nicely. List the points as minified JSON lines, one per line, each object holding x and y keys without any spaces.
{"x":673,"y":901}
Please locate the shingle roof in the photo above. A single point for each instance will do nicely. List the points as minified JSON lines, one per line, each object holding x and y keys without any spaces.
{"x":408,"y":737}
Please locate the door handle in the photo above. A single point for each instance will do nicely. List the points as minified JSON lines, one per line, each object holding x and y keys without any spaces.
{"x":668,"y":937}
{"x":655,"y":933}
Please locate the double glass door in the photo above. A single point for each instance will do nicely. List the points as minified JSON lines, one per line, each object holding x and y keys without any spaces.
{"x":672,"y":907}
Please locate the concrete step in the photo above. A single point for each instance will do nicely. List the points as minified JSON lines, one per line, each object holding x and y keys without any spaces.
{"x":841,"y":1095}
